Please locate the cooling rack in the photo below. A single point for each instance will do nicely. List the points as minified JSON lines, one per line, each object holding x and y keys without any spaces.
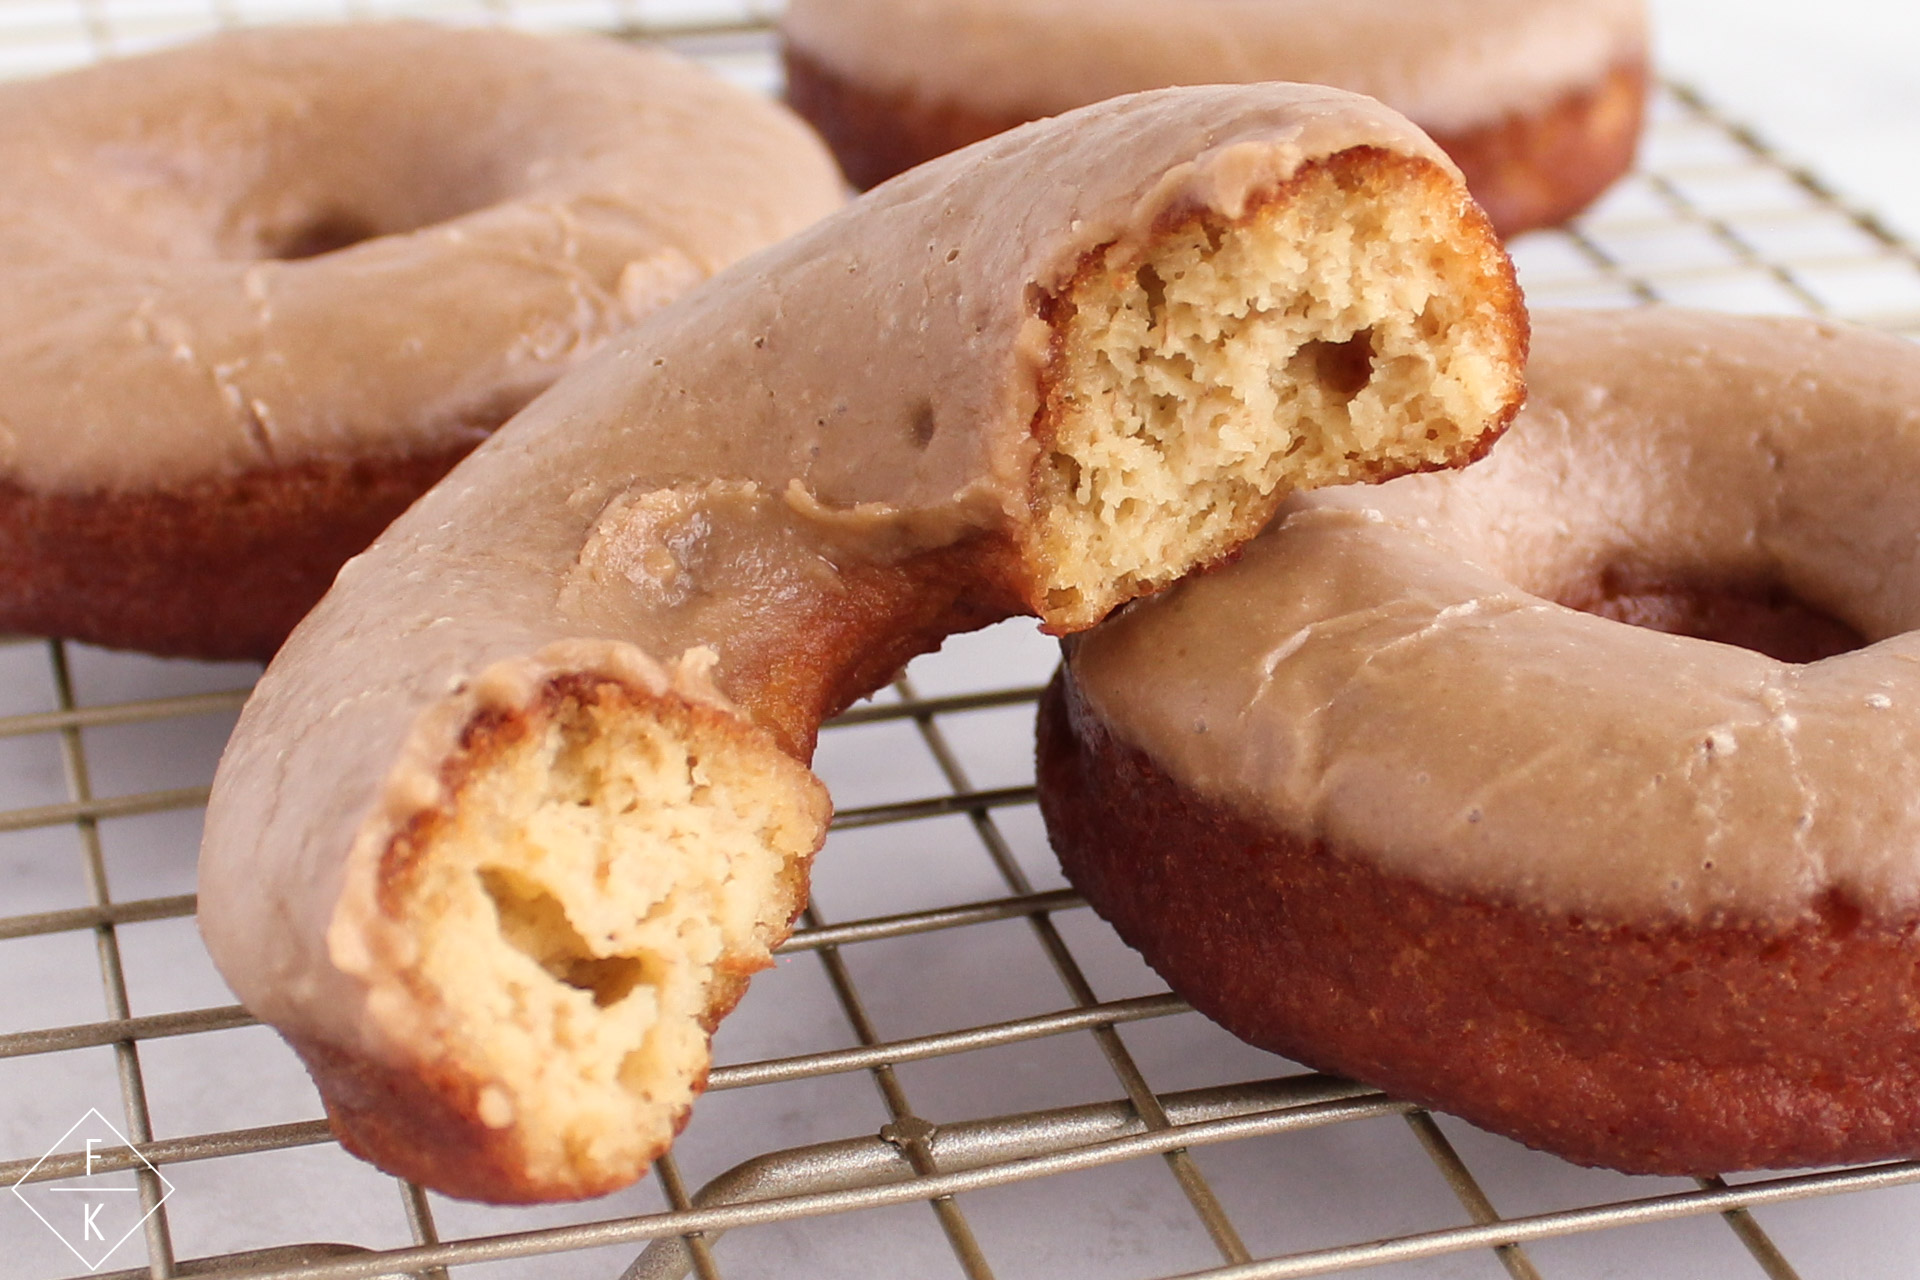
{"x":954,"y":1068}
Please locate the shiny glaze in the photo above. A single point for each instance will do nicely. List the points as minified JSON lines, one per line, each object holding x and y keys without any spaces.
{"x":311,"y":244}
{"x":1387,"y":669}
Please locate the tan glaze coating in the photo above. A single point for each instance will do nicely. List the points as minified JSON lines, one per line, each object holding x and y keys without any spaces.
{"x":497,"y":204}
{"x":1387,"y":672}
{"x":731,"y":511}
{"x":1652,"y":1048}
{"x":1447,"y":64}
{"x":240,"y":270}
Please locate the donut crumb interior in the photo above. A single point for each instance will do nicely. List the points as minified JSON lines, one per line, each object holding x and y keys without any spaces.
{"x":1353,"y":326}
{"x":607,"y":876}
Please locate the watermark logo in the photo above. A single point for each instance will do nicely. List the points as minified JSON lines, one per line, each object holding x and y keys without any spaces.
{"x":95,"y":1208}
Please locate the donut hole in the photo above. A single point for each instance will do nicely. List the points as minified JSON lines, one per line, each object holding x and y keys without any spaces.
{"x":251,"y":207}
{"x":301,"y":221}
{"x":1351,"y":325}
{"x":325,"y":232}
{"x":326,"y":169}
{"x":266,"y":197}
{"x":1764,"y":616}
{"x":612,"y":865}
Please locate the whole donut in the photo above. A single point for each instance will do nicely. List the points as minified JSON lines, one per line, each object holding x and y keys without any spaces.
{"x":261,"y":291}
{"x":1577,"y":793}
{"x":1538,"y":101}
{"x":516,"y":811}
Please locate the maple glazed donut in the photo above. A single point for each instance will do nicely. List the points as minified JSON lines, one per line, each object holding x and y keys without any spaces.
{"x":1573,"y":793}
{"x":520,"y":806}
{"x":265,"y":289}
{"x":1537,"y":101}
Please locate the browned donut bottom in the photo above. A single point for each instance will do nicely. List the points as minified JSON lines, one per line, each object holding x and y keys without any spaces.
{"x":220,"y":569}
{"x":1541,"y":169}
{"x":1526,"y":171}
{"x":1638,"y":1045}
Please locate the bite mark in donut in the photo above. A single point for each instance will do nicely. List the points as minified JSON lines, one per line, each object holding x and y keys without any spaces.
{"x":740,"y":518}
{"x":616,"y":962}
{"x":1254,"y":359}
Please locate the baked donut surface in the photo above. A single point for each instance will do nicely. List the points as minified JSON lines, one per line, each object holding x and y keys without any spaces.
{"x":1406,"y":794}
{"x":1538,"y":103}
{"x":518,"y":808}
{"x":263,"y":290}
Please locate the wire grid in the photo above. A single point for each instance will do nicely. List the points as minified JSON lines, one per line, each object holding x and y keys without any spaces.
{"x":104,"y":760}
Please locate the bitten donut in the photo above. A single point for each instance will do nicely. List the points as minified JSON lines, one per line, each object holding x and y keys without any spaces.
{"x":518,"y":808}
{"x":1577,"y":793}
{"x":263,"y":290}
{"x":1538,"y":101}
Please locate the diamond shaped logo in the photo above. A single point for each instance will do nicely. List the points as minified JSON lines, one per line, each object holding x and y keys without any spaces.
{"x":95,"y":1209}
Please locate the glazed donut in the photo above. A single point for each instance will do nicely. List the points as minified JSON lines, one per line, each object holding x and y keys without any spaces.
{"x":263,"y":290}
{"x":1573,"y":793}
{"x":1537,"y":101}
{"x":514,"y":814}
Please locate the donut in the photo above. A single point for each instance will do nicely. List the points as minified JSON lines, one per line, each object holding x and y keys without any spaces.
{"x":1573,"y":793}
{"x":265,"y":289}
{"x":510,"y":820}
{"x":1538,"y":101}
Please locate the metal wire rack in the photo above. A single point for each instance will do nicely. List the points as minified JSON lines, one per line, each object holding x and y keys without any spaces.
{"x":954,"y":1068}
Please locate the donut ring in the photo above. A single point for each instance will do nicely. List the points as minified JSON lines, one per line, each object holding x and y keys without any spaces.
{"x":1372,"y":799}
{"x":520,"y":806}
{"x":1538,"y":103}
{"x":263,"y":290}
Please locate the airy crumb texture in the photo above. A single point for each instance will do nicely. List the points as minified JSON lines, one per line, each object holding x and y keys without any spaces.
{"x":612,"y":870}
{"x":1360,"y":323}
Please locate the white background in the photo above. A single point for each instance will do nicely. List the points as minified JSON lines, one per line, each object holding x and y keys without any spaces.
{"x":1834,"y":83}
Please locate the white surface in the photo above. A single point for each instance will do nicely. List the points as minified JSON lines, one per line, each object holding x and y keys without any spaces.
{"x":1836,"y":84}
